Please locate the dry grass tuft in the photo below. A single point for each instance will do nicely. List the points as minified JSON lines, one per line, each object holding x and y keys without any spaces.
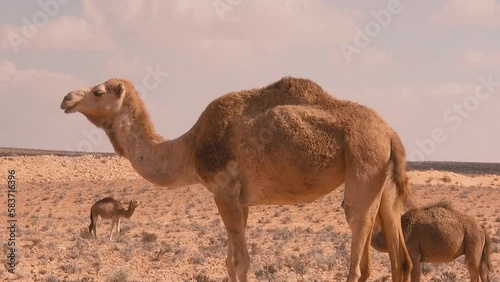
{"x":148,"y":237}
{"x":121,"y":275}
{"x":446,"y":179}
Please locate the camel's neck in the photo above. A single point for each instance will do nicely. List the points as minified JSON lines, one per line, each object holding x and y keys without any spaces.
{"x":165,"y":163}
{"x":129,"y":212}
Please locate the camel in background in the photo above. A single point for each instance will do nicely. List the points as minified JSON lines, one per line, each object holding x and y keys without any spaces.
{"x":109,"y":208}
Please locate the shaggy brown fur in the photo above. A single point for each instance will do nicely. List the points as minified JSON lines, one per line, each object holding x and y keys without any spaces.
{"x":289,"y":142}
{"x":109,"y":208}
{"x":437,"y":233}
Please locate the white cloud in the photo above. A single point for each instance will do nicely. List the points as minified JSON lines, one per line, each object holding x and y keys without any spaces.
{"x":7,"y":70}
{"x":10,"y":75}
{"x":251,"y":25}
{"x":403,"y":92}
{"x":65,"y":32}
{"x":479,"y":59}
{"x":452,"y":89}
{"x":374,"y":56}
{"x":117,"y":65}
{"x":370,"y":56}
{"x":466,"y":12}
{"x":244,"y":30}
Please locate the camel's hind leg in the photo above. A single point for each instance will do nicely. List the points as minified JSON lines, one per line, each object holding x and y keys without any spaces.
{"x":473,"y":248}
{"x":361,"y":202}
{"x":118,"y":227}
{"x":93,"y":226}
{"x":113,"y":224}
{"x":234,"y":216}
{"x":390,"y":212}
{"x":416,"y":271}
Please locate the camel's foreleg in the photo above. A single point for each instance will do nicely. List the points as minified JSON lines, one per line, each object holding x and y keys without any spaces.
{"x":234,"y":216}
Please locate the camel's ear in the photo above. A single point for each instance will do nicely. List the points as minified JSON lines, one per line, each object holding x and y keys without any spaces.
{"x":120,"y":89}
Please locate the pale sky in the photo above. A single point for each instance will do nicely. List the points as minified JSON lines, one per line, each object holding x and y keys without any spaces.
{"x":430,"y":68}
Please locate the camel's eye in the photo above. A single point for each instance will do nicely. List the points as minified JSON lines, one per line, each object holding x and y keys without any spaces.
{"x":98,"y":93}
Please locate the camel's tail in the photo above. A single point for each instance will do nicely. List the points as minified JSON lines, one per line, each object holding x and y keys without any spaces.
{"x":400,"y":179}
{"x":91,"y":222}
{"x":398,"y":160}
{"x":486,"y":266}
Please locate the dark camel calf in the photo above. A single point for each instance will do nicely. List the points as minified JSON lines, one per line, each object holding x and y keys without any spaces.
{"x":437,"y":234}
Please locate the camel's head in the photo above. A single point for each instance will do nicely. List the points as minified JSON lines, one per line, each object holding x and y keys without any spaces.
{"x":102,"y":101}
{"x":134,"y":204}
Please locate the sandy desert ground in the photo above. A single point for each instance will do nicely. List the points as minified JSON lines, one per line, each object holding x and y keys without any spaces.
{"x":177,"y":235}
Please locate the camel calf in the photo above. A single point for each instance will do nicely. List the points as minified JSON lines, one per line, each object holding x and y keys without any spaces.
{"x":438,"y":233}
{"x":109,"y":208}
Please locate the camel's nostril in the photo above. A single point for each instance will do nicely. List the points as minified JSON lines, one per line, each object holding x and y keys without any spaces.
{"x":68,"y":97}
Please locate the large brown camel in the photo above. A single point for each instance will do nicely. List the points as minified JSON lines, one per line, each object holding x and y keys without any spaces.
{"x":287,"y":143}
{"x":438,"y":233}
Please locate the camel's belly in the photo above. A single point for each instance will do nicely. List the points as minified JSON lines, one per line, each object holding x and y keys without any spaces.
{"x":285,"y":198}
{"x":441,"y":253}
{"x":283,"y":192}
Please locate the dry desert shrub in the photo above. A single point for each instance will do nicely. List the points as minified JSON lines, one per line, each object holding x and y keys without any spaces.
{"x":47,"y":225}
{"x":127,"y":252}
{"x":446,"y":179}
{"x":282,"y":234}
{"x":254,"y":248}
{"x":148,"y":237}
{"x":267,"y":272}
{"x":214,"y":247}
{"x":297,"y":264}
{"x":97,"y":265}
{"x":446,"y":276}
{"x":84,"y":233}
{"x":126,"y":229}
{"x":197,"y":259}
{"x":324,"y":262}
{"x":35,"y":241}
{"x":51,"y":278}
{"x":463,"y":194}
{"x":121,"y":275}
{"x":255,"y":232}
{"x":286,"y":219}
{"x":202,"y":277}
{"x":426,"y":268}
{"x":201,"y":229}
{"x":70,"y":268}
{"x":163,"y":249}
{"x":386,"y":278}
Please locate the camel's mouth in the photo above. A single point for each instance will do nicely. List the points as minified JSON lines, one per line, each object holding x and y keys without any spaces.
{"x":70,"y":102}
{"x":70,"y":110}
